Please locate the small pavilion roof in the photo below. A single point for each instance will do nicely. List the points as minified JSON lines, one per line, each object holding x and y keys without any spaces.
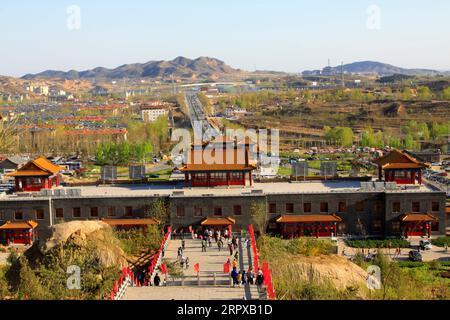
{"x":218,"y":160}
{"x":132,"y":222}
{"x":305,"y":218}
{"x":37,"y":167}
{"x":417,"y":217}
{"x":397,"y":159}
{"x":218,"y":221}
{"x":17,"y":225}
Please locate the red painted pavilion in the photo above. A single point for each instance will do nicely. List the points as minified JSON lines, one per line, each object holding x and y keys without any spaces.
{"x":313,"y":225}
{"x":400,"y":167}
{"x":36,"y":175}
{"x":18,"y":232}
{"x":417,"y":224}
{"x":221,"y":165}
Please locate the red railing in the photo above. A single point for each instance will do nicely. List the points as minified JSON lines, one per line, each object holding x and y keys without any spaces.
{"x":127,"y":277}
{"x":265,"y":268}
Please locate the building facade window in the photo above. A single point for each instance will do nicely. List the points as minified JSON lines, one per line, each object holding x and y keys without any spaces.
{"x":180,"y":211}
{"x":359,"y":206}
{"x":396,"y":226}
{"x":272,"y":208}
{"x":39,"y":214}
{"x":237,"y":210}
{"x":18,"y":215}
{"x":435,"y":207}
{"x":415,"y":206}
{"x":198,"y":212}
{"x":307,"y":207}
{"x":59,"y":212}
{"x":94,"y":212}
{"x":342,"y":207}
{"x":396,"y":207}
{"x":111,"y":211}
{"x":377,"y":207}
{"x":289,"y":208}
{"x":218,"y":211}
{"x":324,"y":207}
{"x":377,"y":226}
{"x":128,"y":211}
{"x":76,"y":212}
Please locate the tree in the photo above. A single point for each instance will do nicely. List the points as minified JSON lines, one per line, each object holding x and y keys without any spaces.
{"x":446,"y":93}
{"x":424,"y":93}
{"x":406,"y":94}
{"x":159,"y":211}
{"x":259,"y":216}
{"x":8,"y":134}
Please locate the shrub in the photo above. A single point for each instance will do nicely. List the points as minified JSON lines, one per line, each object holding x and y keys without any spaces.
{"x":370,"y":243}
{"x":440,"y":242}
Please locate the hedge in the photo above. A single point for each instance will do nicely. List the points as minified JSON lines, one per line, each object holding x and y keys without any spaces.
{"x":395,"y":243}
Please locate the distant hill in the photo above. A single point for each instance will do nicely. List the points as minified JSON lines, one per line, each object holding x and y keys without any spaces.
{"x":373,"y":67}
{"x":180,"y":67}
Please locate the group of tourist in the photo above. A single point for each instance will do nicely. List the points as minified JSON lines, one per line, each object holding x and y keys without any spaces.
{"x":242,"y":277}
{"x":181,"y":257}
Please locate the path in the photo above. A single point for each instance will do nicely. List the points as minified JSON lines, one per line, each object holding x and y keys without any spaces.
{"x":210,"y":262}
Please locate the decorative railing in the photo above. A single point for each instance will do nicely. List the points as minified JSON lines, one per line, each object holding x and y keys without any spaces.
{"x":265,"y":267}
{"x":156,"y":262}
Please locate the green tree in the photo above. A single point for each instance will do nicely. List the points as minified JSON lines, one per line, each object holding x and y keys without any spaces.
{"x":446,"y":93}
{"x":260,"y":219}
{"x":159,"y":211}
{"x":406,"y":94}
{"x":424,"y":93}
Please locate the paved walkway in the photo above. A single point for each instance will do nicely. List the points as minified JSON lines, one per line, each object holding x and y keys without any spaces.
{"x":436,"y":253}
{"x":210,"y":262}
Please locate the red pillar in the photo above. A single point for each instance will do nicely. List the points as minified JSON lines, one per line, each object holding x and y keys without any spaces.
{"x":251,"y":179}
{"x":413,"y":177}
{"x":420,"y":177}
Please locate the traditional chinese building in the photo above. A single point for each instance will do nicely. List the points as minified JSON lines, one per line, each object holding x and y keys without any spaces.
{"x":312,"y":225}
{"x":417,"y":224}
{"x":217,"y":164}
{"x":400,"y":167}
{"x":36,"y":175}
{"x":18,"y":232}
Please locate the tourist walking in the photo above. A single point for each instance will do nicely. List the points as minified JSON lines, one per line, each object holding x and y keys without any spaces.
{"x":183,"y":244}
{"x":234,"y":276}
{"x":220,"y":244}
{"x":259,"y":280}
{"x":156,"y":280}
{"x":250,"y":276}
{"x":239,"y":278}
{"x":235,"y":263}
{"x":244,"y":277}
{"x":204,"y":245}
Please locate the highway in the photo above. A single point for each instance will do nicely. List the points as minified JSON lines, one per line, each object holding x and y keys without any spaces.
{"x":199,"y":121}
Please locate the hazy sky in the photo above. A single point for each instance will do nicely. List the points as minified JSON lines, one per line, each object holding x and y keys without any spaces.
{"x":289,"y":35}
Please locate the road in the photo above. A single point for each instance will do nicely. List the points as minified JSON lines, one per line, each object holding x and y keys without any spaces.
{"x":199,"y":121}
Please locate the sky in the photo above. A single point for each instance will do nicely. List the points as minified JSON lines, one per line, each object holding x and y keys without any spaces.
{"x":282,"y":35}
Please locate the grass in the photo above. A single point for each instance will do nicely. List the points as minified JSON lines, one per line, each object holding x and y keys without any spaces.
{"x":441,"y":242}
{"x":284,"y":171}
{"x":133,"y":242}
{"x":409,"y":280}
{"x":368,"y":244}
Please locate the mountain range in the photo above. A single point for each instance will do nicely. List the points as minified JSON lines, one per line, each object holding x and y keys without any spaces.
{"x":202,"y":68}
{"x":373,"y":67}
{"x":211,"y":68}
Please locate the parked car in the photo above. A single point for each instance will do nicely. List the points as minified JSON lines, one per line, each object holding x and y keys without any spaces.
{"x":415,"y":256}
{"x":425,"y":245}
